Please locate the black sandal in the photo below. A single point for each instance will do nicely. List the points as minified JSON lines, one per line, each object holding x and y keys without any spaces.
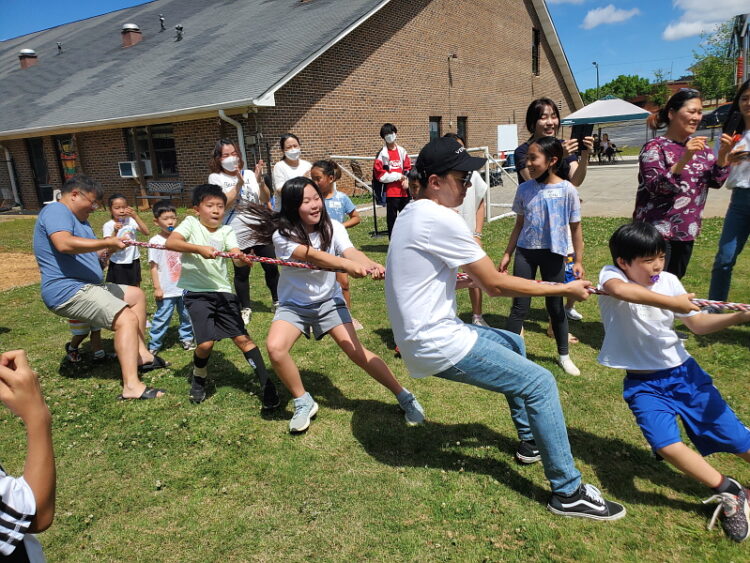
{"x":156,"y":363}
{"x":148,"y":393}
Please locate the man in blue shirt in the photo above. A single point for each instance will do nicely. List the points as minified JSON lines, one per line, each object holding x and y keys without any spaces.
{"x":68,"y":252}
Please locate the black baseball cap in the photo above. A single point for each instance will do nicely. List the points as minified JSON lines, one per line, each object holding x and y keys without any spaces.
{"x":443,"y":154}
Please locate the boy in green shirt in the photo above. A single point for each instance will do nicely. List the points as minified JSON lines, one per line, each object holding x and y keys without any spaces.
{"x":214,"y":310}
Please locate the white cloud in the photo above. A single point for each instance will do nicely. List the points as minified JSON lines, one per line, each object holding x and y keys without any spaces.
{"x":607,"y":14}
{"x":699,"y":16}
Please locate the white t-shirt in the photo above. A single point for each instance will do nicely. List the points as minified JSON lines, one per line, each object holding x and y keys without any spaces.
{"x":283,"y":172}
{"x":474,"y":196}
{"x":739,"y":172}
{"x":640,"y":337}
{"x":129,"y":230}
{"x":428,"y":244}
{"x":300,"y":286}
{"x":169,"y":264}
{"x":249,"y":193}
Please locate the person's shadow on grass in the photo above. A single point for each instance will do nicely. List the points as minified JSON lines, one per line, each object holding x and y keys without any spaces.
{"x":473,"y":447}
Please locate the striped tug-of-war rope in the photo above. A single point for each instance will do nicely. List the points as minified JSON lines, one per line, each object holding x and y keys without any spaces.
{"x":250,"y":258}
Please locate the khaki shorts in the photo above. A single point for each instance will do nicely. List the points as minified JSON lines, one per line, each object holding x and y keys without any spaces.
{"x":97,"y":305}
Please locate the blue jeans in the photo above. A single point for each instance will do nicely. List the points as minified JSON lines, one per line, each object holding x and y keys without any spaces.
{"x":497,"y":362}
{"x":733,"y":237}
{"x":162,"y":318}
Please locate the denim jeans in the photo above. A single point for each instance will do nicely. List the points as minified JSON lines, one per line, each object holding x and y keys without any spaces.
{"x":162,"y":318}
{"x":733,"y":237}
{"x":497,"y":362}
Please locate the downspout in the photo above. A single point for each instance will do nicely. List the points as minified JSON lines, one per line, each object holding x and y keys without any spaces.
{"x":240,"y":134}
{"x":12,"y":176}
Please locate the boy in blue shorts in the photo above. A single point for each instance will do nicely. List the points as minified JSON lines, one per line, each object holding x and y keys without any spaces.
{"x":662,"y":381}
{"x":214,"y":310}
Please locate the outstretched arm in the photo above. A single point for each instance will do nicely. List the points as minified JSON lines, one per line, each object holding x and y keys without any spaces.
{"x":634,"y":293}
{"x":376,"y":270}
{"x":67,"y":243}
{"x":706,"y":324}
{"x":325,"y":260}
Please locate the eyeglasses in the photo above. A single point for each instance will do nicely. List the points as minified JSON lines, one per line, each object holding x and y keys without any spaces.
{"x":466,"y":180}
{"x":94,"y":203}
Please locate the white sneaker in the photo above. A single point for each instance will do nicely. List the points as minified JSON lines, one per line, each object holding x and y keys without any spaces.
{"x":568,"y":366}
{"x":573,"y":315}
{"x":246,"y":315}
{"x":478,"y":320}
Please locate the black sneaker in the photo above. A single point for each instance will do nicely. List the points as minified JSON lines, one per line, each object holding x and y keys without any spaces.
{"x":734,"y":512}
{"x":198,"y":389}
{"x":586,"y":502}
{"x":270,"y":396}
{"x":527,"y":452}
{"x":72,"y":354}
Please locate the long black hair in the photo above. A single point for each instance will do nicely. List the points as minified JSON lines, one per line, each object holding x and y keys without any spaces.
{"x":264,"y":222}
{"x":736,"y":102}
{"x":660,"y":118}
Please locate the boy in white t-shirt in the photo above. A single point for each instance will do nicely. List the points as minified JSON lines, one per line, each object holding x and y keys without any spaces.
{"x":662,"y":380}
{"x":165,"y":267}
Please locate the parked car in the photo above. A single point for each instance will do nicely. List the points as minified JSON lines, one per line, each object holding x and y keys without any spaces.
{"x":716,"y":118}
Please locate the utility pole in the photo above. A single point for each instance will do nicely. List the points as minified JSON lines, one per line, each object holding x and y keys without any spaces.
{"x":596,"y":64}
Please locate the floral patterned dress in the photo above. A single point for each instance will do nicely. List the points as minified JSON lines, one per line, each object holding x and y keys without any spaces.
{"x":674,"y":203}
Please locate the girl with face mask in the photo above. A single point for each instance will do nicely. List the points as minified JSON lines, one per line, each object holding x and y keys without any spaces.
{"x":242,"y":187}
{"x":291,"y":166}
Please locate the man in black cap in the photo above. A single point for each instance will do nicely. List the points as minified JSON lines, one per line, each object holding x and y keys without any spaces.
{"x":430,"y":243}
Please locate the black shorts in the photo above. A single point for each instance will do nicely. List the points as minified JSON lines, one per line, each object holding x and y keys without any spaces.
{"x":214,"y":315}
{"x":125,"y":274}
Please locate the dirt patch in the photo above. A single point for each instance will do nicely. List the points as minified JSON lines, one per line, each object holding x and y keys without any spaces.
{"x":18,"y":270}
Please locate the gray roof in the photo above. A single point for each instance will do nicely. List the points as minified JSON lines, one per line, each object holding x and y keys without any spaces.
{"x":233,"y":53}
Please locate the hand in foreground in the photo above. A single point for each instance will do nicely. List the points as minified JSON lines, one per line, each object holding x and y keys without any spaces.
{"x":577,"y":289}
{"x":683,"y":303}
{"x":207,"y":252}
{"x":19,"y":386}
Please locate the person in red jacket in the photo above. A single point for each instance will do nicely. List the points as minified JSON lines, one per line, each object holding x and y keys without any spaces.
{"x":390,"y":168}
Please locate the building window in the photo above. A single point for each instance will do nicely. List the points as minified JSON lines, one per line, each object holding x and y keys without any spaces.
{"x":154,"y":143}
{"x":461,"y":129}
{"x":536,"y":40}
{"x":435,"y":129}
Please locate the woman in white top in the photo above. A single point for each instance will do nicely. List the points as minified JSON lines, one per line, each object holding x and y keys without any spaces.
{"x":288,"y":167}
{"x":737,"y":220}
{"x":242,"y":187}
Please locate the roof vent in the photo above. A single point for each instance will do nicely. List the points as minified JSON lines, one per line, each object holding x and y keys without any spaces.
{"x":178,"y":32}
{"x":131,"y":35}
{"x":27,"y":58}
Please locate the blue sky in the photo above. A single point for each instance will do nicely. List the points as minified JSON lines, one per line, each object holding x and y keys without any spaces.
{"x":623,"y":36}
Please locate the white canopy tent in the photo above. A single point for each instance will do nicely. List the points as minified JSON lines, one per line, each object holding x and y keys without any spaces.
{"x":606,"y":110}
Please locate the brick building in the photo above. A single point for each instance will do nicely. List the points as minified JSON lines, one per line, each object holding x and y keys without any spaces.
{"x":331,"y":71}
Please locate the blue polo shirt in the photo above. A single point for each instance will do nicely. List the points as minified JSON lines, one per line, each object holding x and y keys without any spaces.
{"x":63,"y":274}
{"x":339,"y":206}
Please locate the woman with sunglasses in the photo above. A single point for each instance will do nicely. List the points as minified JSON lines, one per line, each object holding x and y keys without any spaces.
{"x":676,"y":170}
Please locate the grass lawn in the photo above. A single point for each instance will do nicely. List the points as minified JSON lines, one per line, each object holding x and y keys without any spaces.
{"x":165,"y":480}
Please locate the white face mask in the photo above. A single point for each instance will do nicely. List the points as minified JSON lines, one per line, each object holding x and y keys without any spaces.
{"x":390,"y":138}
{"x":293,"y":154}
{"x":230,"y":163}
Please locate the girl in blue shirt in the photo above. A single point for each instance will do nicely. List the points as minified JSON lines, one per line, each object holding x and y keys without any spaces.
{"x":545,"y":206}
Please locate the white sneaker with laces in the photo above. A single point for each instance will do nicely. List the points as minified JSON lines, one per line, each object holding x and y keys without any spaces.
{"x":246,"y":315}
{"x":478,"y":320}
{"x":573,"y":315}
{"x":568,"y":366}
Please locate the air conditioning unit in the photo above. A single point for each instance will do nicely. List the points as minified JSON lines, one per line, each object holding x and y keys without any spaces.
{"x":128,"y":168}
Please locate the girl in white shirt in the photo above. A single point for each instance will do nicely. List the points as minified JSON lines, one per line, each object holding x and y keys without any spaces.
{"x":311,"y":300}
{"x":288,"y":167}
{"x":243,"y":187}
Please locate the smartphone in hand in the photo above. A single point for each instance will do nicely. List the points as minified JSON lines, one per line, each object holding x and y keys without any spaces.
{"x":733,"y":124}
{"x":579,"y":132}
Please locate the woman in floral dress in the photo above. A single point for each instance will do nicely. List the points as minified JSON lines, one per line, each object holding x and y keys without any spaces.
{"x":675,"y":171}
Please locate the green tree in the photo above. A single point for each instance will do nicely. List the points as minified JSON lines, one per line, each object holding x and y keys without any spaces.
{"x":659,"y":91}
{"x":624,"y":86}
{"x":713,"y":70}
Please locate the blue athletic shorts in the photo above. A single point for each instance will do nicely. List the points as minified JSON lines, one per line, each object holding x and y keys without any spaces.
{"x":658,"y":398}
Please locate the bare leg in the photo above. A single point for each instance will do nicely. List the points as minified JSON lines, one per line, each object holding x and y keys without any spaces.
{"x":125,"y":327}
{"x":77,"y":339}
{"x":281,"y":338}
{"x":136,"y":300}
{"x":475,"y":295}
{"x":96,"y":340}
{"x":343,"y":280}
{"x":203,"y":350}
{"x":745,"y":456}
{"x":345,"y":336}
{"x":244,"y":343}
{"x":692,"y":464}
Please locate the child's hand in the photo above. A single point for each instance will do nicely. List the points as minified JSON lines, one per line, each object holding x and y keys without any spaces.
{"x":117,"y":226}
{"x":683,"y":303}
{"x":354,"y":270}
{"x":578,"y":290}
{"x":129,"y":212}
{"x":208,"y":252}
{"x":504,"y":262}
{"x":158,"y":294}
{"x":376,"y":271}
{"x":578,"y":270}
{"x":19,"y":387}
{"x":465,"y":283}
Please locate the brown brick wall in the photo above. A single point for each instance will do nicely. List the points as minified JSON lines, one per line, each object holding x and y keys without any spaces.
{"x":394,"y":67}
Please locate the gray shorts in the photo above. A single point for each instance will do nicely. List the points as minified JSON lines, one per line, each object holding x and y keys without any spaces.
{"x":318,"y":317}
{"x":97,"y":305}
